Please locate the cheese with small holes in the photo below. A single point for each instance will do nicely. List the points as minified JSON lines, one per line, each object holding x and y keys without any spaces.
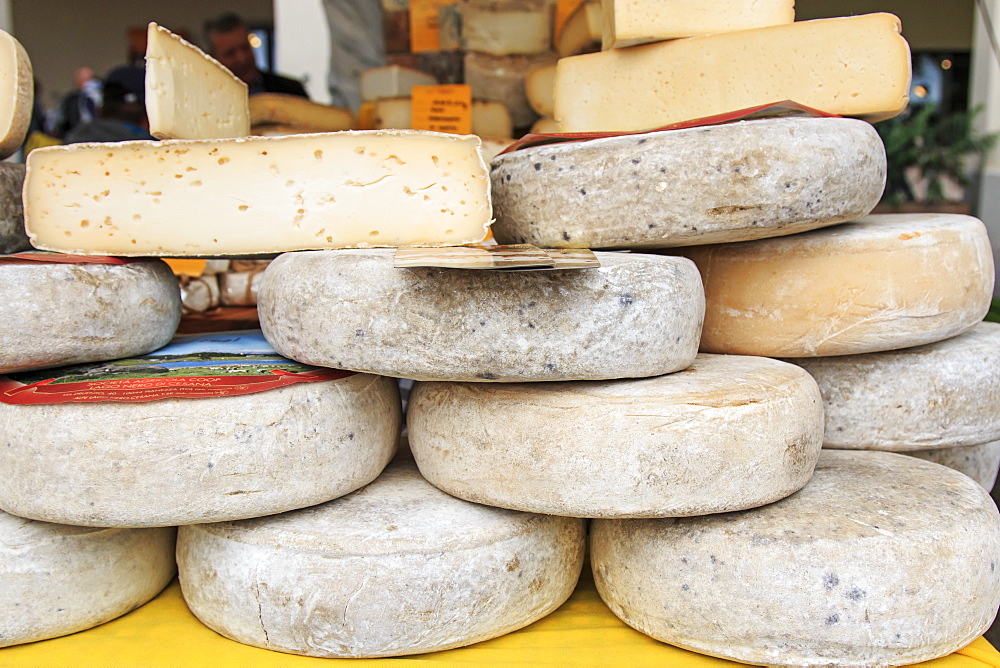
{"x":55,"y":314}
{"x":353,"y":310}
{"x":61,"y":579}
{"x":979,"y":462}
{"x":201,"y":460}
{"x":17,"y":92}
{"x":190,"y":95}
{"x":12,"y":235}
{"x":855,"y":66}
{"x":392,"y":81}
{"x":396,"y":568}
{"x":883,"y":282}
{"x":721,"y":183}
{"x":882,"y":559}
{"x":296,"y":111}
{"x":939,"y":395}
{"x":727,"y":433}
{"x":501,"y":78}
{"x":258,"y":194}
{"x":506,"y":27}
{"x":632,"y":22}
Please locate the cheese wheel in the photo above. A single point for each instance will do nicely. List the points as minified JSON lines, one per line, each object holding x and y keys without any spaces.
{"x":636,"y":315}
{"x":296,"y":111}
{"x":506,"y":27}
{"x":979,"y":462}
{"x":60,"y":579}
{"x":940,"y":395}
{"x":881,"y":559}
{"x":13,"y":238}
{"x":17,"y":94}
{"x":723,"y":183}
{"x":728,"y":433}
{"x":178,"y":461}
{"x":395,"y":568}
{"x":59,"y":314}
{"x":881,"y":283}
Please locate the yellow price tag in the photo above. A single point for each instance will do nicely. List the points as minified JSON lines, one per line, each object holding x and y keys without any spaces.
{"x":563,"y":9}
{"x":185,"y":266}
{"x":446,"y":108}
{"x":424,"y":33}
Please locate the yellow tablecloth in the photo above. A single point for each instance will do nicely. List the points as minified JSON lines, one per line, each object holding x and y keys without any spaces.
{"x":583,"y":632}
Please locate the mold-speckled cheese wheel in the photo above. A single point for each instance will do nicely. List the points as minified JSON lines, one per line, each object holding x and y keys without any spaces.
{"x":60,"y":314}
{"x":13,"y":238}
{"x":979,"y":462}
{"x":717,"y":184}
{"x":59,"y":579}
{"x":396,"y":568}
{"x":728,"y":433}
{"x":178,"y":461}
{"x":882,"y":559}
{"x":636,"y":315}
{"x":939,"y":395}
{"x":882,"y":283}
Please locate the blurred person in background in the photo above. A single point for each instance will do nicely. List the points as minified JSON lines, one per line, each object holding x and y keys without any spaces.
{"x":228,"y":41}
{"x":81,"y":104}
{"x":122,"y":115}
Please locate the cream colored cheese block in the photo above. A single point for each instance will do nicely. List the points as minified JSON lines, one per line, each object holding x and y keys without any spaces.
{"x":501,"y":78}
{"x":939,"y":395}
{"x":493,"y":146}
{"x":538,"y":86}
{"x":199,"y":293}
{"x":60,"y":579}
{"x":392,"y":81}
{"x":581,"y":33}
{"x":295,"y":111}
{"x":723,"y":183}
{"x":855,"y":66}
{"x":881,"y":559}
{"x":632,"y":22}
{"x":489,"y":119}
{"x":506,"y":27}
{"x":545,"y":125}
{"x":979,"y":462}
{"x":13,"y":238}
{"x":396,"y":568}
{"x":258,"y":194}
{"x":59,"y":314}
{"x":881,"y":283}
{"x":179,"y":461}
{"x":727,"y":433}
{"x":190,"y":95}
{"x":17,"y":94}
{"x":239,"y":288}
{"x":353,"y":310}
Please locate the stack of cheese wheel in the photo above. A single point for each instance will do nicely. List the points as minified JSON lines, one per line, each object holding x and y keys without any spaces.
{"x":773,"y":213}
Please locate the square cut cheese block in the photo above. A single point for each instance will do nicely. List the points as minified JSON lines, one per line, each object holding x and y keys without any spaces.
{"x":190,"y":95}
{"x":396,"y":568}
{"x":258,"y":194}
{"x":855,"y":66}
{"x":728,"y":433}
{"x":61,"y":579}
{"x":883,"y":282}
{"x":392,"y":81}
{"x":506,"y":27}
{"x":17,"y":94}
{"x":881,"y":559}
{"x":631,"y":22}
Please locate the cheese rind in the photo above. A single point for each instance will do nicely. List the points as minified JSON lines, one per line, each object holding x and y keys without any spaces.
{"x":979,"y":462}
{"x":855,"y":66}
{"x":60,"y":579}
{"x":881,"y":559}
{"x":203,"y":460}
{"x":189,"y":94}
{"x":539,"y":85}
{"x":353,"y":310}
{"x":882,"y":283}
{"x":258,"y":194}
{"x":501,"y":78}
{"x":60,"y":314}
{"x":727,"y":433}
{"x":295,"y":111}
{"x":723,"y":183}
{"x":17,"y":93}
{"x":506,"y":27}
{"x":939,"y":395}
{"x":13,"y":238}
{"x":396,"y":568}
{"x":581,"y":33}
{"x":632,"y":22}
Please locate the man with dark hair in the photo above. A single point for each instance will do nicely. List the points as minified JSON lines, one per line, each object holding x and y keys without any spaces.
{"x":228,"y":41}
{"x":122,"y":115}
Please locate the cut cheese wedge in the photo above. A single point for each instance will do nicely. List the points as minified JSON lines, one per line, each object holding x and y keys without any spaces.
{"x":881,"y":559}
{"x":856,"y":66}
{"x":12,"y":235}
{"x":60,"y":579}
{"x":979,"y":462}
{"x":939,"y":395}
{"x":292,"y":110}
{"x":581,"y":33}
{"x":352,"y":309}
{"x":396,"y":568}
{"x":506,"y":27}
{"x":727,"y":433}
{"x":190,"y":95}
{"x":632,"y":22}
{"x":17,"y":94}
{"x":882,"y":283}
{"x":258,"y":194}
{"x":539,"y":85}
